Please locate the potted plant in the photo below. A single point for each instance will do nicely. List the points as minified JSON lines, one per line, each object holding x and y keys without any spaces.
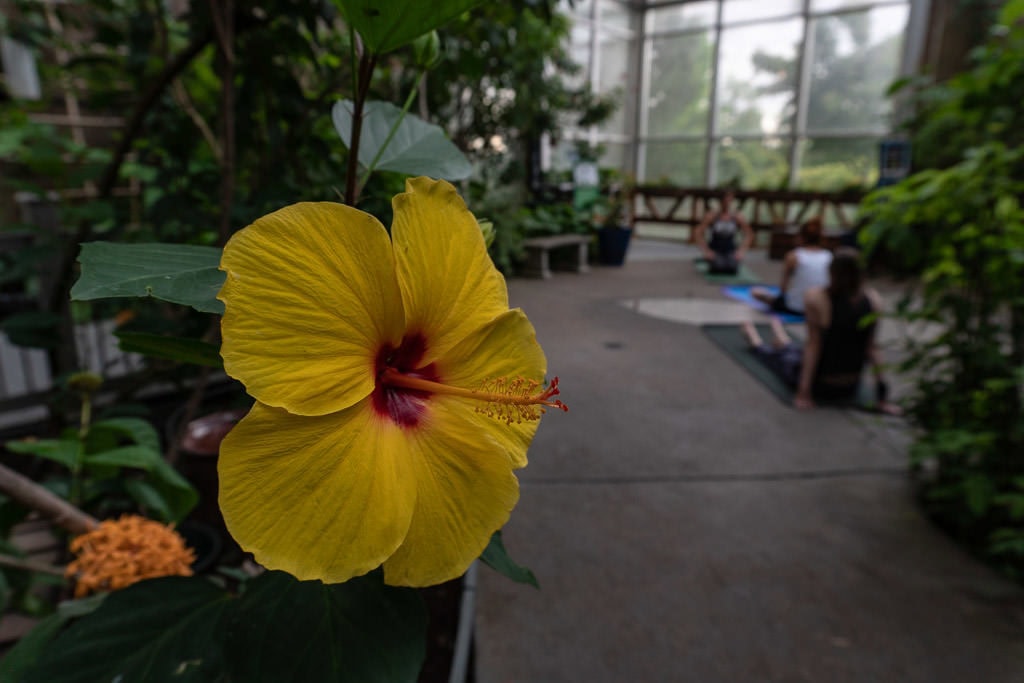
{"x":613,"y":230}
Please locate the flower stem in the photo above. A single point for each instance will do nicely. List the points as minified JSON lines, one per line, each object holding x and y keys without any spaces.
{"x":29,"y":565}
{"x":32,"y":495}
{"x":367,"y":63}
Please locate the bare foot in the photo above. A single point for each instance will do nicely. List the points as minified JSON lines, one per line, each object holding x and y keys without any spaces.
{"x":890,"y":408}
{"x":750,"y":332}
{"x":762,"y":295}
{"x":781,"y":337}
{"x":802,"y":403}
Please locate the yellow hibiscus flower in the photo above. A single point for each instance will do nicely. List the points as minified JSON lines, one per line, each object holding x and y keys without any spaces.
{"x":396,"y":392}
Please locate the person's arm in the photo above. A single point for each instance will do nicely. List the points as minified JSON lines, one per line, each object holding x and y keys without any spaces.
{"x":748,"y":236}
{"x":814,"y":315}
{"x":874,"y":358}
{"x":788,"y":268}
{"x":700,"y":231}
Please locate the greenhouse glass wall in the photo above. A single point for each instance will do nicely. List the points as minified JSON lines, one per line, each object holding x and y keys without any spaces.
{"x":757,"y":93}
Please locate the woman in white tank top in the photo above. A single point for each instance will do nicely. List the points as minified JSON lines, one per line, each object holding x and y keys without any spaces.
{"x":810,"y":270}
{"x":804,"y":268}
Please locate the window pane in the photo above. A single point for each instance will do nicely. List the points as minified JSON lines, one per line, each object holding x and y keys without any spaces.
{"x":579,"y":7}
{"x":679,"y":163}
{"x":752,"y":164}
{"x":855,"y":57}
{"x":676,"y":17}
{"x":614,"y":155}
{"x":616,"y":16}
{"x":757,"y":78}
{"x":579,"y":53}
{"x":680,"y":84}
{"x":836,"y":164}
{"x":746,"y":10}
{"x":616,"y":74}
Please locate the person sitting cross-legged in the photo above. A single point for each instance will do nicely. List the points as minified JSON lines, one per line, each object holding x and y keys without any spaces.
{"x":840,"y":340}
{"x":724,"y":236}
{"x":804,"y":268}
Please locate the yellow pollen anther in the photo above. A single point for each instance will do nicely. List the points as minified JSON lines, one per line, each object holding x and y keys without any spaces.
{"x":508,"y":400}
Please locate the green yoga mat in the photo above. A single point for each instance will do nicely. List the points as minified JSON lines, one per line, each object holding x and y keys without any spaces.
{"x":745,"y":276}
{"x":730,"y":339}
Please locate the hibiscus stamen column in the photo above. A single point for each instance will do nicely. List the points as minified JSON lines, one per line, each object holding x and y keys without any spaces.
{"x":508,"y":400}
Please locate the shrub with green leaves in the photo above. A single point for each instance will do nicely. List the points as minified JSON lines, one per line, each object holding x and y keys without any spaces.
{"x":961,"y":227}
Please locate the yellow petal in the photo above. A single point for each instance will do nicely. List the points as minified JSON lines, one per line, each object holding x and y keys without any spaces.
{"x":449,"y":285}
{"x":326,"y":497}
{"x":504,"y":348}
{"x":465,"y":491}
{"x":310,"y":297}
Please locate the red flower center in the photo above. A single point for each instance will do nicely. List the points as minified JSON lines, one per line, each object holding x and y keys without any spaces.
{"x":404,"y":406}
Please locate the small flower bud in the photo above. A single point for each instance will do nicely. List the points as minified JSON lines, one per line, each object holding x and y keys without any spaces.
{"x":487,"y":228}
{"x":85,"y":382}
{"x":426,"y":51}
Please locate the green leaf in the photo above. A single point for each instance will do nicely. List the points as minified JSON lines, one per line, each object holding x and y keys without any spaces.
{"x":385,"y":25}
{"x":180,"y":349}
{"x":360,"y":631}
{"x":156,"y":631}
{"x":81,"y":606}
{"x":6,"y":592}
{"x":139,"y":457}
{"x":190,"y":631}
{"x":65,"y":451}
{"x":29,"y":648}
{"x":978,"y":492}
{"x":178,"y":496}
{"x":34,"y":330}
{"x":150,"y":499}
{"x":138,"y":430}
{"x":417,"y":148}
{"x":179,"y":273}
{"x":497,"y":558}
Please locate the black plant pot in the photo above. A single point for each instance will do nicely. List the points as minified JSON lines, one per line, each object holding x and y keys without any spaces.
{"x":613,"y":243}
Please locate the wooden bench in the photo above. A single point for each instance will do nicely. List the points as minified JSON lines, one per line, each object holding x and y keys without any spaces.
{"x":538,"y":250}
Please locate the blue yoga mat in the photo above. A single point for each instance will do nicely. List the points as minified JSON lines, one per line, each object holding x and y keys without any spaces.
{"x":742,"y":293}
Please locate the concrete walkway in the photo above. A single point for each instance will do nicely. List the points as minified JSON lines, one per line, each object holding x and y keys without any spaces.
{"x":685,"y":525}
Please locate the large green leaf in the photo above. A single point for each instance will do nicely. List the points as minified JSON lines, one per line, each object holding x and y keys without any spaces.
{"x":181,"y":349}
{"x":417,"y":148}
{"x":155,"y":631}
{"x":356,"y":632}
{"x":28,"y":649}
{"x":180,"y":273}
{"x":385,"y":25}
{"x":497,"y":558}
{"x":188,"y":630}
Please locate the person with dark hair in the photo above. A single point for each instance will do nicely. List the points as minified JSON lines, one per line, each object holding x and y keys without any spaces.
{"x":804,"y":267}
{"x":841,"y":333}
{"x":717,"y":237}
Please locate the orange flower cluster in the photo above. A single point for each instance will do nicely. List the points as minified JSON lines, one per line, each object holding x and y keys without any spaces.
{"x":118,"y":553}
